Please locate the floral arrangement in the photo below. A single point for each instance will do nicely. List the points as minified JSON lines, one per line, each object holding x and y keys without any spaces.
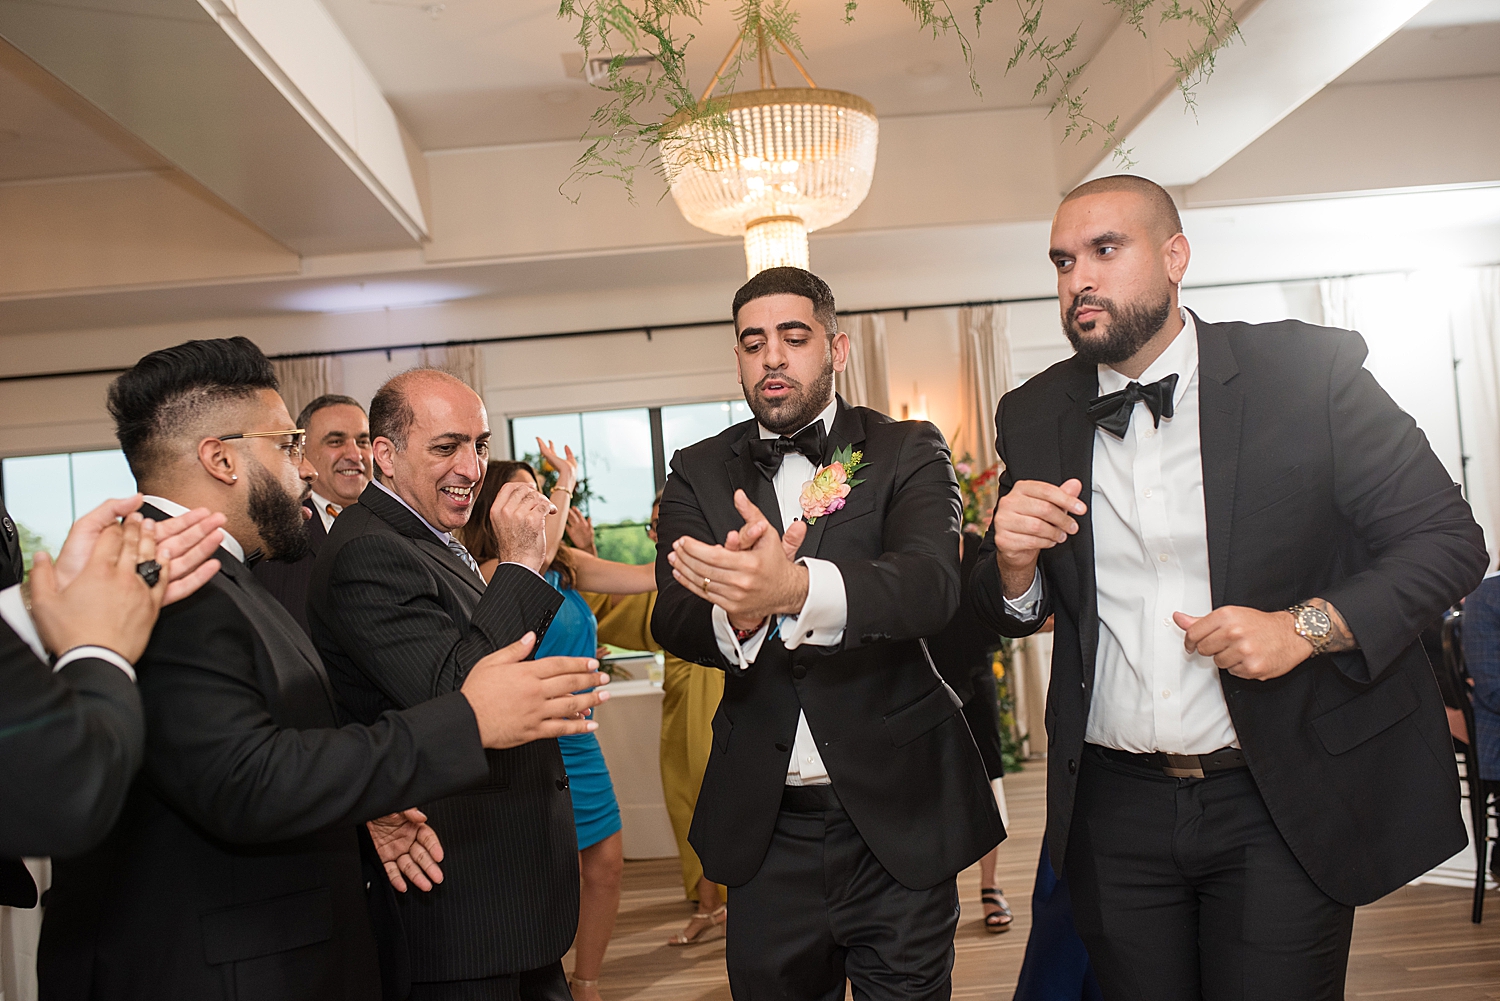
{"x":977,"y":486}
{"x":825,"y":492}
{"x":1010,"y":735}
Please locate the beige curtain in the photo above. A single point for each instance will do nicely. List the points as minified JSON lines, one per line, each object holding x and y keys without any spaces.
{"x":465,"y":362}
{"x":986,"y":374}
{"x":303,"y":380}
{"x":864,"y":382}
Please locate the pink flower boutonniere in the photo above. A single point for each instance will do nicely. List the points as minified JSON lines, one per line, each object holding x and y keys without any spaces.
{"x":825,"y":492}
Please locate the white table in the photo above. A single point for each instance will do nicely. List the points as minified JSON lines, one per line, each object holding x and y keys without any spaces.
{"x":630,"y":735}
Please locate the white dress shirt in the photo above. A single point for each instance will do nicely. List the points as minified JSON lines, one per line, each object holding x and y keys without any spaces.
{"x":1150,"y":560}
{"x":820,"y":622}
{"x":172,"y":509}
{"x":321,"y":505}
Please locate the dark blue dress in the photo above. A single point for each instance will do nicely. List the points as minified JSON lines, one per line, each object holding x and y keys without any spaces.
{"x":575,"y":633}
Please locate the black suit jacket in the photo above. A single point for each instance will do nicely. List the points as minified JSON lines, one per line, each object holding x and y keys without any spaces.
{"x":890,"y":731}
{"x":1315,"y":485}
{"x":288,"y":582}
{"x":71,"y":742}
{"x":235,"y":871}
{"x":12,"y":569}
{"x":400,"y":620}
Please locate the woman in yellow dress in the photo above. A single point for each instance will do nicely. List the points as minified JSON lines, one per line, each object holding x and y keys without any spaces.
{"x":690,"y":697}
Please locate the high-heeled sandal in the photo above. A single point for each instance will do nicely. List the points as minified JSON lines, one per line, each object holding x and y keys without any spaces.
{"x":996,"y":922}
{"x":713,"y":930}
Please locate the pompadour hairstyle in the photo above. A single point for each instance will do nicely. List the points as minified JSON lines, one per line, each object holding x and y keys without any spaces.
{"x":169,"y":390}
{"x":791,"y":281}
{"x":326,"y":400}
{"x":1163,"y":209}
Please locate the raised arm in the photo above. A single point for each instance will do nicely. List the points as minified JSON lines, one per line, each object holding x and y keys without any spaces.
{"x":609,"y":577}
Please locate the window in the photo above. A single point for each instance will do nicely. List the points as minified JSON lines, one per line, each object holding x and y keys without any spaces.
{"x":45,"y":494}
{"x":623,"y":455}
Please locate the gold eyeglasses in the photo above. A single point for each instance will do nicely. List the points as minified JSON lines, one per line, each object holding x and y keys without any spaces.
{"x":294,"y":450}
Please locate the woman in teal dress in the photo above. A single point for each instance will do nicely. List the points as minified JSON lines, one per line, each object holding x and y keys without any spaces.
{"x":573,"y":633}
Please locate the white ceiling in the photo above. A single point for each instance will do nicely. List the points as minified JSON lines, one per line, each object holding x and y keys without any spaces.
{"x":481,"y":72}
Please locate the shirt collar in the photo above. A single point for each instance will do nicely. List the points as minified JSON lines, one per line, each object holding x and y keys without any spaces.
{"x":443,"y":537}
{"x":826,"y":417}
{"x":172,"y":509}
{"x":323,"y":503}
{"x":1181,"y":357}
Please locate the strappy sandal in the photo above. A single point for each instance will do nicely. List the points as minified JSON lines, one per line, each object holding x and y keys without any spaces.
{"x":714,"y":929}
{"x":996,"y":922}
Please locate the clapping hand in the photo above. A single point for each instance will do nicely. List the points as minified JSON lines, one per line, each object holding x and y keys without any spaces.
{"x":409,"y":848}
{"x":752,"y":576}
{"x":106,"y":604}
{"x":184,"y":545}
{"x":581,"y":532}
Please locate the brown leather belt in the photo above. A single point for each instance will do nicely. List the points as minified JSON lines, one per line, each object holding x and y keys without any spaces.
{"x":1178,"y":766}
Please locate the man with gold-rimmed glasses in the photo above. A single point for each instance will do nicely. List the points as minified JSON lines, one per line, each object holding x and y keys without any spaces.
{"x":236,"y":869}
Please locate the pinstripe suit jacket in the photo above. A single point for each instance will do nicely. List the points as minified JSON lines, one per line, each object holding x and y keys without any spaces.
{"x":399,"y":620}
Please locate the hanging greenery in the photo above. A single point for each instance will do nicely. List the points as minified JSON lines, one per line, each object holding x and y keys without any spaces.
{"x":647,"y":105}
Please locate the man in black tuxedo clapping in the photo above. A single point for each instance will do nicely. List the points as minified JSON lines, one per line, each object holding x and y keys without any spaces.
{"x":805,"y":553}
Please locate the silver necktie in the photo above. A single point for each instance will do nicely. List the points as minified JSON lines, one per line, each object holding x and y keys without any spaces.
{"x":463,"y":554}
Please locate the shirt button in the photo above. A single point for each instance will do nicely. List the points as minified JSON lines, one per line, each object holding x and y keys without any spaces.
{"x":1150,"y":433}
{"x":1167,"y":621}
{"x":1166,"y":693}
{"x":1147,"y":492}
{"x":1163,"y":557}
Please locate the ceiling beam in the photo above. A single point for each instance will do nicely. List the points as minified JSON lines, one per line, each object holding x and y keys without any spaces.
{"x":1288,"y":51}
{"x":264,"y":102}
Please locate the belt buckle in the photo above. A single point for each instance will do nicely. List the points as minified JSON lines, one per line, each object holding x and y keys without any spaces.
{"x":1183,"y":766}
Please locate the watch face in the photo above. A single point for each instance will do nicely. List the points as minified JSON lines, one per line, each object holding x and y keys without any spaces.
{"x":1316,"y":621}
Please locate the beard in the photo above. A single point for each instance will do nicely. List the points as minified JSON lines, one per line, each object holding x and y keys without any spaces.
{"x":1129,"y":329}
{"x":798,"y":408}
{"x":277,"y":516}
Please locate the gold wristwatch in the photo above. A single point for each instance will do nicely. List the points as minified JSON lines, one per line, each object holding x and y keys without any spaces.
{"x":1313,"y":625}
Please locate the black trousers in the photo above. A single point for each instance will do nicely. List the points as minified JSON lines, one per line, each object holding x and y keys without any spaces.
{"x":1183,"y":889}
{"x":547,"y":983}
{"x":822,"y":909}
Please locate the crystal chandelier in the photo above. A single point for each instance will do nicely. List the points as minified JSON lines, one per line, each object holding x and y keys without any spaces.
{"x":772,"y":164}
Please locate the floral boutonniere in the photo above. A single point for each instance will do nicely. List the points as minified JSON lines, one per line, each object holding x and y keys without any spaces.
{"x":825,"y":492}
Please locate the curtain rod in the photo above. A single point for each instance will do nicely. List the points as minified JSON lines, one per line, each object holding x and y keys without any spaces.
{"x":648,"y":329}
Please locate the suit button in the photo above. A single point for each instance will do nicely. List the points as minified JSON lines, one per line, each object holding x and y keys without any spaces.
{"x":562,"y":783}
{"x":1072,"y":767}
{"x":780,"y":746}
{"x":799,"y":672}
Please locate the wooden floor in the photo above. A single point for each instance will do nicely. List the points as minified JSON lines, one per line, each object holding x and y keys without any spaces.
{"x":1417,"y":943}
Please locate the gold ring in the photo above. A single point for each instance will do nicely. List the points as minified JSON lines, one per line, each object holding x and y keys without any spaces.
{"x":706,"y":582}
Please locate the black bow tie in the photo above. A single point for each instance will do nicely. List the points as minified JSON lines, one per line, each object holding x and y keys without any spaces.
{"x":1112,"y":411}
{"x":768,"y":452}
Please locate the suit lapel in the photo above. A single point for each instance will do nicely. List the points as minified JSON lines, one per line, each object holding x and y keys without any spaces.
{"x":269,"y":614}
{"x":745,"y":475}
{"x":1220,"y":409}
{"x":396,"y":515}
{"x":1075,"y":450}
{"x":848,"y":429}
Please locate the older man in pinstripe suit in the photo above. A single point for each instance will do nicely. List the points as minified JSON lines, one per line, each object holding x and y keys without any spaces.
{"x":400,"y":614}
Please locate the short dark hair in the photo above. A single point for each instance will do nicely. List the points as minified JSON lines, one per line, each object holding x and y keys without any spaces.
{"x":324,"y":401}
{"x":391,"y":413}
{"x":791,"y":281}
{"x":1163,"y":209}
{"x":166,"y":391}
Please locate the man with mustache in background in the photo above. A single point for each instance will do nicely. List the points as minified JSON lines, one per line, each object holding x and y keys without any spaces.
{"x":1240,"y":536}
{"x":805,"y":553}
